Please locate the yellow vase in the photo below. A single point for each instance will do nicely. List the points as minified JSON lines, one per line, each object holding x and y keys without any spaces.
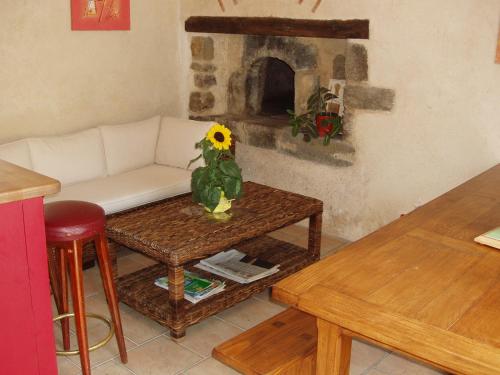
{"x":223,"y":206}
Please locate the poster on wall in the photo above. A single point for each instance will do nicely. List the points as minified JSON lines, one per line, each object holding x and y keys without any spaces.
{"x":100,"y":14}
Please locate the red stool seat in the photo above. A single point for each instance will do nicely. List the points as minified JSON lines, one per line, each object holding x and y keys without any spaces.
{"x":73,"y":220}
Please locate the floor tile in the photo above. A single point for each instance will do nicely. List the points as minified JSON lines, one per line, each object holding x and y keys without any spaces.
{"x":202,"y":337}
{"x":329,"y":251}
{"x":210,"y":366}
{"x":123,"y":251}
{"x":53,"y":306}
{"x":156,"y":353}
{"x":92,"y":285}
{"x":329,"y":243}
{"x":299,"y":235}
{"x":109,"y":351}
{"x":395,"y":364}
{"x":142,"y":259}
{"x":283,"y":235}
{"x":264,"y":295}
{"x":364,"y":356}
{"x":128,"y":265}
{"x":160,"y":356}
{"x":136,"y":326}
{"x":111,"y":368}
{"x":374,"y":372}
{"x":66,"y":367}
{"x":59,"y":341}
{"x":250,"y":313}
{"x":95,"y":304}
{"x":163,"y":356}
{"x":92,"y":282}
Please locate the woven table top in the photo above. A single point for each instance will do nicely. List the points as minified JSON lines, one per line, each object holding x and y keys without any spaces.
{"x":176,"y":230}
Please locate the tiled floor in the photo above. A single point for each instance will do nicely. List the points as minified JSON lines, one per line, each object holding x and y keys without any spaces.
{"x":152,"y":352}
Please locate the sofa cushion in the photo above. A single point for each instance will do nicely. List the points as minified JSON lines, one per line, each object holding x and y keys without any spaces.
{"x":17,"y":153}
{"x":70,"y":158}
{"x":130,"y":146}
{"x":177,"y":139}
{"x":129,"y":189}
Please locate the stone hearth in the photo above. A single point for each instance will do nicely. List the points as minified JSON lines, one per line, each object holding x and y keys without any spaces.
{"x":235,"y":80}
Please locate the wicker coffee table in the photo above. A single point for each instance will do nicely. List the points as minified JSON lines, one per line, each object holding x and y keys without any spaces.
{"x":178,"y":233}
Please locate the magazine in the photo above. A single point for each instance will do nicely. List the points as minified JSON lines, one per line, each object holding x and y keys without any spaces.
{"x":238,"y":266}
{"x":196,"y":288}
{"x":491,"y":238}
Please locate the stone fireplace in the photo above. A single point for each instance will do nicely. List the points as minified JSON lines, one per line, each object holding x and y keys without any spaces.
{"x":248,"y":82}
{"x":270,"y":87}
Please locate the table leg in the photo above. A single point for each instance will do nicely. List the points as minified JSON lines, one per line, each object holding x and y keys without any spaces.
{"x":176,"y":300}
{"x":334,"y":350}
{"x":314,"y":243}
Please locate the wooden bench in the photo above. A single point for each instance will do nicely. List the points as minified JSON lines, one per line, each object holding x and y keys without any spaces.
{"x":284,"y":344}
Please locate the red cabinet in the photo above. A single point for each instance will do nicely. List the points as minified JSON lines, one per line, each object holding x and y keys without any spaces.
{"x":26,"y":335}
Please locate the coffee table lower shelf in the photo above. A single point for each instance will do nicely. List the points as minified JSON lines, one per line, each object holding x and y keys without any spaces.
{"x":137,"y":289}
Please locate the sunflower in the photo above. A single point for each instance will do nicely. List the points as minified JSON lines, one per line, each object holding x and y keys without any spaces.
{"x":220,"y":136}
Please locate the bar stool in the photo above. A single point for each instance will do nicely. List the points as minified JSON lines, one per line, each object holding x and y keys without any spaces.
{"x":68,"y":226}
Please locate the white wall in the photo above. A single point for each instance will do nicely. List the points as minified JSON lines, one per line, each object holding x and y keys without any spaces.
{"x":54,"y":80}
{"x":444,"y":129}
{"x":437,"y":55}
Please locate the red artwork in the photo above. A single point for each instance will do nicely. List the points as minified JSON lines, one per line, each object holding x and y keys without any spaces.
{"x":100,"y":14}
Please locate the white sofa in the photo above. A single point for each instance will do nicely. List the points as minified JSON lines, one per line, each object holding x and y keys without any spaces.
{"x":116,"y":166}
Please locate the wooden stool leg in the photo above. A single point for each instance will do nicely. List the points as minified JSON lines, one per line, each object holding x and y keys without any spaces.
{"x":334,"y":350}
{"x":76,"y":275}
{"x":110,"y":291}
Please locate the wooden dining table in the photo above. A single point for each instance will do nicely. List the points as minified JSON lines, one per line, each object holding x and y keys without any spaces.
{"x":419,"y":286}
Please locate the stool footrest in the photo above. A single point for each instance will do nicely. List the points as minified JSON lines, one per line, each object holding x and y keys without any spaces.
{"x":100,"y":344}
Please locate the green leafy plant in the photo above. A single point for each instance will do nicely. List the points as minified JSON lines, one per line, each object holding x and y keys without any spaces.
{"x":306,"y":123}
{"x":318,"y":99}
{"x":221,"y":176}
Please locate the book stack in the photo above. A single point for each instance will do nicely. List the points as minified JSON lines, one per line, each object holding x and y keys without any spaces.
{"x":196,"y":288}
{"x":237,"y":266}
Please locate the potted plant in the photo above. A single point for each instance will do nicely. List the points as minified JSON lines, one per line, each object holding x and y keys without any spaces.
{"x":317,"y":122}
{"x":219,"y":182}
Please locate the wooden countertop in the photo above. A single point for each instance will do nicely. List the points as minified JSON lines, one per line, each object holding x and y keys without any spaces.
{"x":17,"y":183}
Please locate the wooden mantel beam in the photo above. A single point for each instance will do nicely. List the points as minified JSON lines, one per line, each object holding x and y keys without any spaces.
{"x":337,"y":29}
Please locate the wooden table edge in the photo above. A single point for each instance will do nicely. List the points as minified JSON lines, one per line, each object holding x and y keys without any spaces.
{"x":284,"y":296}
{"x":351,"y":315}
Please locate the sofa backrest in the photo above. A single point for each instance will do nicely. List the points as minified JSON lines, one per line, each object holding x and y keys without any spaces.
{"x":109,"y":150}
{"x":17,"y":152}
{"x":130,"y":146}
{"x":69,"y":158}
{"x":177,"y":139}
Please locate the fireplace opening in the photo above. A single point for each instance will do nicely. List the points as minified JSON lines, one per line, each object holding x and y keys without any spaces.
{"x":279,"y":88}
{"x":270,"y":87}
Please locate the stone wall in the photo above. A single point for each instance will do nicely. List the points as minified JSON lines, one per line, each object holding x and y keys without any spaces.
{"x":443,"y":127}
{"x":202,"y":99}
{"x":315,"y":61}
